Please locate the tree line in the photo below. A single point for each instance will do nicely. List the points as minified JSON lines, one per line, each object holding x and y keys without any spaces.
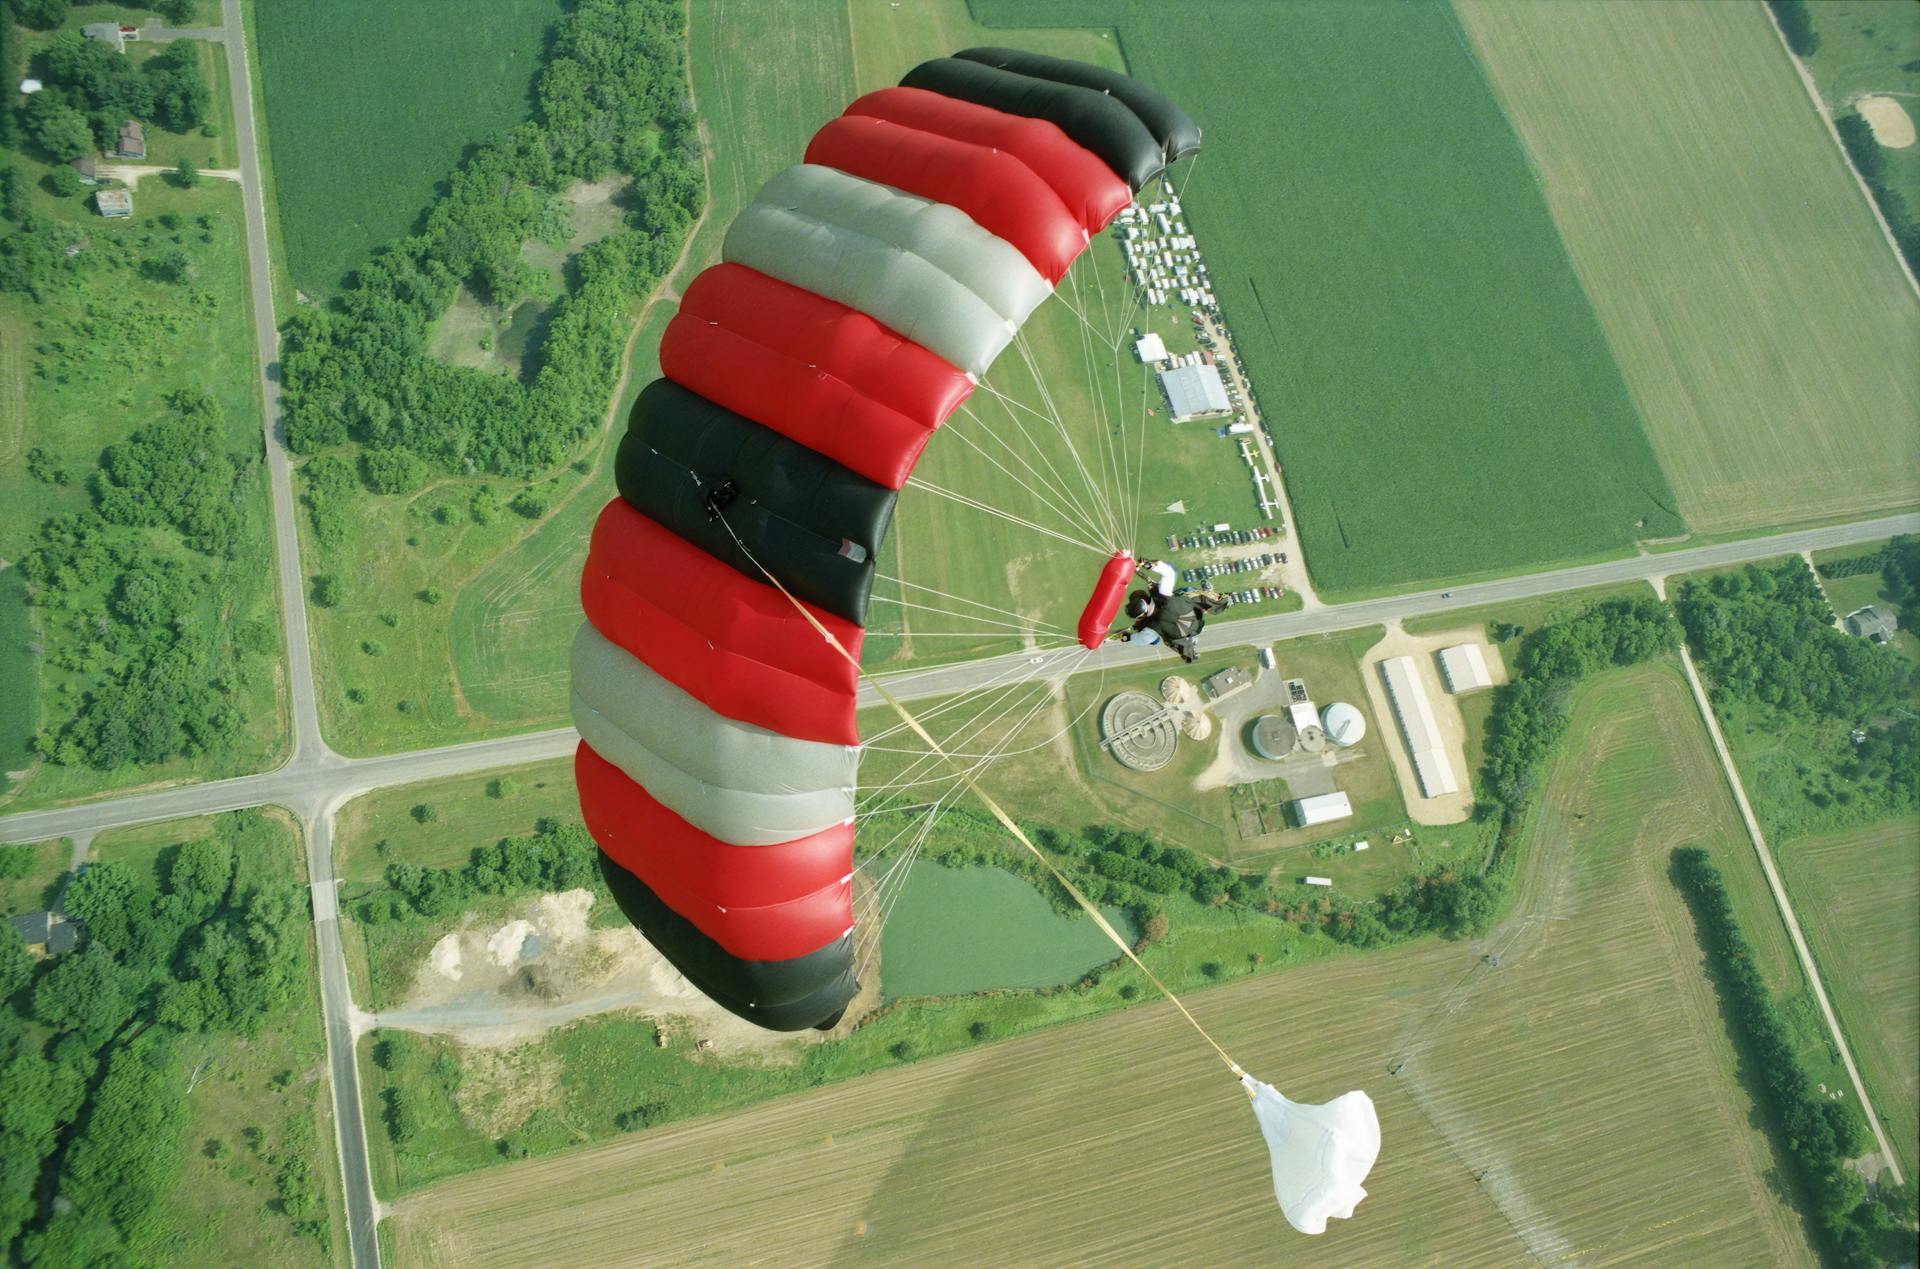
{"x":1856,"y":136}
{"x":556,"y":856}
{"x":92,"y":1126}
{"x":612,"y":97}
{"x":1817,"y":1135}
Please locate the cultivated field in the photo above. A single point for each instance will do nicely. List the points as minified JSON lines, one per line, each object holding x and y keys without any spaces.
{"x":1579,"y":1100}
{"x":1761,"y":321}
{"x":1857,"y":892}
{"x":361,"y":136}
{"x":1430,"y":369}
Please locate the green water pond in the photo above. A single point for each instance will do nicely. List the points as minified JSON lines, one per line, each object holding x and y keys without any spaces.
{"x":960,"y":930}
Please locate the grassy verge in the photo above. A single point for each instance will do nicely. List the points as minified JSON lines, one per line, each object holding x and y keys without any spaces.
{"x":43,"y":871}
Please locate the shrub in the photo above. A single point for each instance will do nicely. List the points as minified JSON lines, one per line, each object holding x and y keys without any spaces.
{"x":326,"y":590}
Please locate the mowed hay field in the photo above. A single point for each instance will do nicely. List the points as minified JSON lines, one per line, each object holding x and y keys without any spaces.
{"x":1435,"y":381}
{"x":1857,"y":892}
{"x":1577,"y":1102}
{"x":1765,"y":329}
{"x":370,"y":105}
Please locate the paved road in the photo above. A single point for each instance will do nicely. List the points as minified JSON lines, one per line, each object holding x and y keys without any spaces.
{"x":306,"y":784}
{"x":310,"y":754}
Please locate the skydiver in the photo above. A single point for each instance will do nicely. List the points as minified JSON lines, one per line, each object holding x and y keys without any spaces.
{"x":1162,"y":615}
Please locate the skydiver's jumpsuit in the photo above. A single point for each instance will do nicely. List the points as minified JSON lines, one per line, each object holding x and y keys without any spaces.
{"x":1178,"y":619}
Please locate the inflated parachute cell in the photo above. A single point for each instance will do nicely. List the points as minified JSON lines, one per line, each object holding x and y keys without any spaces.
{"x":861,"y":296}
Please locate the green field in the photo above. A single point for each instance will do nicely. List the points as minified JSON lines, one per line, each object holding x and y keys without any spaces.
{"x":1579,"y":1101}
{"x":224,"y":1209}
{"x":1423,"y":353}
{"x":371,"y":105}
{"x":1857,"y":892}
{"x":1773,"y":362}
{"x":19,"y":678}
{"x":84,"y":370}
{"x":46,"y":873}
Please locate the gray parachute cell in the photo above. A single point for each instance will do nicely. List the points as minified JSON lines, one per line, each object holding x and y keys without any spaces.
{"x":734,"y":781}
{"x":924,"y":269}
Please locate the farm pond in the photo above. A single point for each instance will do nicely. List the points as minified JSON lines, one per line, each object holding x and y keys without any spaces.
{"x":960,"y":930}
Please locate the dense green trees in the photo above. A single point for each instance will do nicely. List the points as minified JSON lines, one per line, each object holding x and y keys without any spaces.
{"x":86,"y":80}
{"x":1898,"y":564}
{"x":1818,"y":1135}
{"x":166,"y":674}
{"x":612,"y":96}
{"x":99,"y":1101}
{"x":1765,"y":638}
{"x":555,"y":857}
{"x":1795,"y":25}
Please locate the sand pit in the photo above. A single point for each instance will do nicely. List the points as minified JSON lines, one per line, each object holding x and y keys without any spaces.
{"x":498,"y":984}
{"x":1892,"y":125}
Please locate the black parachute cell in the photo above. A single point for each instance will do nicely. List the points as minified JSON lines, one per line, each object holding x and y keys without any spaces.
{"x":815,"y":524}
{"x":805,"y":992}
{"x":1177,"y":134}
{"x":1103,"y":124}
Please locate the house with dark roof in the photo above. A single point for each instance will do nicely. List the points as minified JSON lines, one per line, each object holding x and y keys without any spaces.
{"x":1872,"y":622}
{"x":132,"y":143}
{"x":47,"y":933}
{"x":88,"y":167}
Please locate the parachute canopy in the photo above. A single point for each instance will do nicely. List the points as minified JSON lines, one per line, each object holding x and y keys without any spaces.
{"x":861,"y":297}
{"x":1320,"y":1153}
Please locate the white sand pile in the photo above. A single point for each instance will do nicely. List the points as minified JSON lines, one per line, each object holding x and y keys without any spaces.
{"x":445,"y":958}
{"x":1892,"y":125}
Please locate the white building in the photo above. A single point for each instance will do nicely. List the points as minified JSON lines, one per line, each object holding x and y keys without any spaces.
{"x":1322,"y":809}
{"x":1465,"y":668}
{"x":1415,"y":713}
{"x":1150,"y":348}
{"x":1194,"y":392}
{"x":1344,"y":724}
{"x":1303,"y":715}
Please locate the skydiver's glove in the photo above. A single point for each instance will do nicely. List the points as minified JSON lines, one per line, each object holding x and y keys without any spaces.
{"x":1125,"y":636}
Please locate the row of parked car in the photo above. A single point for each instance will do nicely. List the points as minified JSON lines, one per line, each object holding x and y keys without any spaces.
{"x":1219,"y":536}
{"x":1253,"y":563}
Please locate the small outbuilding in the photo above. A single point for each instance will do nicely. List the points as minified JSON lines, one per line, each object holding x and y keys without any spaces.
{"x":114,"y":204}
{"x":132,"y":142}
{"x":1231,"y":679}
{"x":1323,"y":808}
{"x":1872,"y":622}
{"x":1150,"y":348}
{"x":88,"y":167}
{"x":1465,"y":668}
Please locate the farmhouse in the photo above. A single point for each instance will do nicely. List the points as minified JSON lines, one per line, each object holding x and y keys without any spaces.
{"x":46,"y":933}
{"x":1322,"y":809}
{"x":1194,"y":392}
{"x":114,"y":203}
{"x":1872,"y":622}
{"x":112,"y":34}
{"x":132,"y":143}
{"x":1465,"y":668}
{"x":1415,"y":713}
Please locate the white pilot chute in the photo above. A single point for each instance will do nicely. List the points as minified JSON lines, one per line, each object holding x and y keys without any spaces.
{"x":1321,"y":1154}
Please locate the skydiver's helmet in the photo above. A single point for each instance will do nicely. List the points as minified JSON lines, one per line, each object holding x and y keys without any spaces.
{"x":1139,"y":604}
